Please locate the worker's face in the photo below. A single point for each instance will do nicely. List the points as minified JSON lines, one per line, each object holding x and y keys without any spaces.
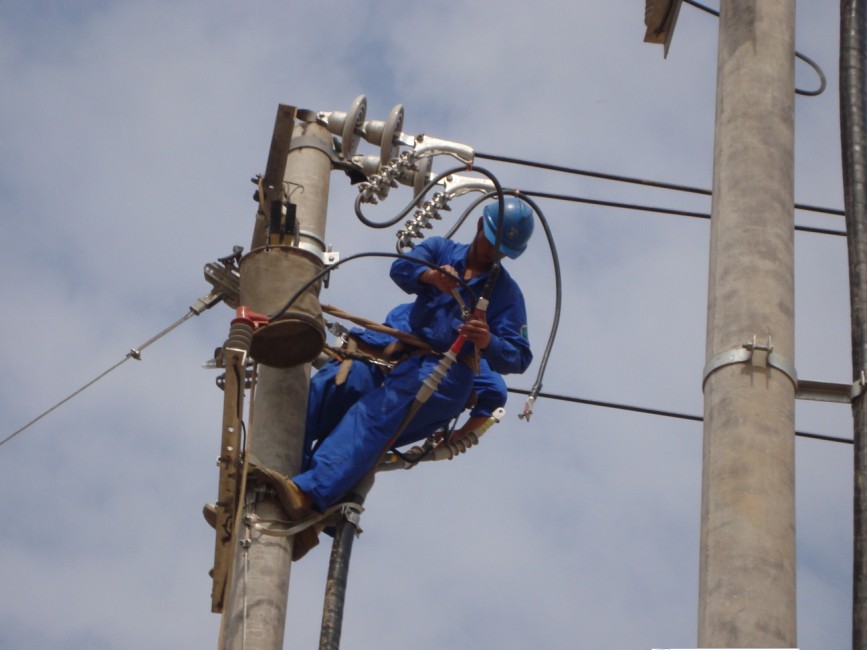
{"x":485,"y":252}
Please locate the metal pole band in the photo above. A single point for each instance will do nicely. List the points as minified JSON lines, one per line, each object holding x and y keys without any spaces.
{"x":744,"y":354}
{"x":306,"y":141}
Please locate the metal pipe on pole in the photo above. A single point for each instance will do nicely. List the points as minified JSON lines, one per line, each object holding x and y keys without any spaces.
{"x":255,"y":614}
{"x":747,"y":559}
{"x":853,"y":132}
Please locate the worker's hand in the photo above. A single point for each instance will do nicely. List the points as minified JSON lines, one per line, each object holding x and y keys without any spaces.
{"x":472,"y":423}
{"x":445,"y":279}
{"x":476,"y":331}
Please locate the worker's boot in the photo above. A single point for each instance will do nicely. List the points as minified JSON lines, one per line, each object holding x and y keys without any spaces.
{"x":304,"y":541}
{"x":295,"y":502}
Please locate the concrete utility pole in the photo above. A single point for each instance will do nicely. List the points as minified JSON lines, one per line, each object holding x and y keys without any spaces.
{"x":255,"y":612}
{"x":747,"y":565}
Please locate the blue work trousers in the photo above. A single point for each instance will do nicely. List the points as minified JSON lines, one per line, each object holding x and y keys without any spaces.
{"x":354,"y":422}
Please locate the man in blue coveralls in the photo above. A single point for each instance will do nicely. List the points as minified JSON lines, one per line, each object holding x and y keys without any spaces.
{"x":340,"y":384}
{"x":355,"y":442}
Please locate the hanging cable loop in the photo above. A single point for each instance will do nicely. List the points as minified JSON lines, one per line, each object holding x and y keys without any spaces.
{"x":809,"y":93}
{"x":558,"y":287}
{"x":394,"y":220}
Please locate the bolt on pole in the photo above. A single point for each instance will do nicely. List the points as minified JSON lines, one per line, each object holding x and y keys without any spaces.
{"x":255,"y":613}
{"x":747,"y":559}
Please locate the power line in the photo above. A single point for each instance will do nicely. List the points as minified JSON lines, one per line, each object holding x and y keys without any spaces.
{"x":648,"y":208}
{"x":660,"y":412}
{"x":633,"y":180}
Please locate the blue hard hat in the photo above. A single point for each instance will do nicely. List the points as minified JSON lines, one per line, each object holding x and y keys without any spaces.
{"x":517,"y":226}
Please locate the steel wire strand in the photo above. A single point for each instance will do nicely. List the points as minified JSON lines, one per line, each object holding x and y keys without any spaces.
{"x":134,"y":353}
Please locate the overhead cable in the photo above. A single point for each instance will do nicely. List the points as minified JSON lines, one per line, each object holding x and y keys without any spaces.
{"x":648,"y":208}
{"x":633,"y":180}
{"x":649,"y":411}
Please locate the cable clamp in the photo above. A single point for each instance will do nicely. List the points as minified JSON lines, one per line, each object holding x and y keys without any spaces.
{"x":352,"y":513}
{"x":756,"y":354}
{"x":424,"y":145}
{"x":456,"y":185}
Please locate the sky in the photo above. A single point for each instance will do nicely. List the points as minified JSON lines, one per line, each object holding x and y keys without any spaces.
{"x":130,"y":131}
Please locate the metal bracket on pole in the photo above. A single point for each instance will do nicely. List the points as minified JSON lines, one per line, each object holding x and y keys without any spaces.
{"x":829,"y":392}
{"x":755,"y":354}
{"x":764,"y":356}
{"x":304,"y":141}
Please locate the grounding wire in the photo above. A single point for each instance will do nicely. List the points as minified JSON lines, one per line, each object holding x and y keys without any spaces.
{"x":134,"y":353}
{"x":648,"y":208}
{"x":633,"y":180}
{"x":660,"y":412}
{"x":823,"y":83}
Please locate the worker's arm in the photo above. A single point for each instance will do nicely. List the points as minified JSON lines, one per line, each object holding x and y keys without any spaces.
{"x":508,"y":350}
{"x":408,"y":275}
{"x":445,"y":279}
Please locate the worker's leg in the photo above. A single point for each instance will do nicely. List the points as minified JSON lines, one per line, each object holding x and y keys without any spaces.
{"x":357,"y":441}
{"x":328,"y":403}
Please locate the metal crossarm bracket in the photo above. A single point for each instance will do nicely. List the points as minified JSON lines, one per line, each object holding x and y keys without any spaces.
{"x":828,"y":392}
{"x":821,"y":391}
{"x":755,"y":354}
{"x":764,"y":356}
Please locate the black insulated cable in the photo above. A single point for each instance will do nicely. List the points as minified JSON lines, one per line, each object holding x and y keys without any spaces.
{"x":303,"y":289}
{"x":657,"y":210}
{"x":558,"y":285}
{"x":650,"y":411}
{"x":809,"y":93}
{"x":412,"y":204}
{"x":632,"y":180}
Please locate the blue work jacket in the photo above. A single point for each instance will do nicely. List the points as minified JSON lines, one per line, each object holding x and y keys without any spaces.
{"x":436,"y":316}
